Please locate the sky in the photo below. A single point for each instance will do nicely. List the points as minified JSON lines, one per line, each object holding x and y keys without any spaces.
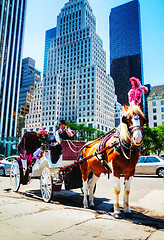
{"x":42,"y":15}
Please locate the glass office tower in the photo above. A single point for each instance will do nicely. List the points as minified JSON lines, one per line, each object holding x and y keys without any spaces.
{"x":29,"y":77}
{"x":49,"y":35}
{"x":12,"y":18}
{"x":125,"y":47}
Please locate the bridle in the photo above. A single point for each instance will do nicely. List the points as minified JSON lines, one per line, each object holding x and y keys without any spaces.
{"x":130,"y":146}
{"x":131,"y":129}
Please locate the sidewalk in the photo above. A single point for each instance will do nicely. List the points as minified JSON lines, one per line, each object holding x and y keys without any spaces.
{"x":25,"y":216}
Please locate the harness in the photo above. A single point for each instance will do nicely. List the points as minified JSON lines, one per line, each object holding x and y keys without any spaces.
{"x":118,"y":145}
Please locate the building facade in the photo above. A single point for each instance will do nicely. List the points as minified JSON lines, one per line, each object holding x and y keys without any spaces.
{"x":30,"y":76}
{"x":76,"y":87}
{"x":156,"y":106}
{"x":149,"y":87}
{"x":49,"y":35}
{"x":33,"y":118}
{"x":118,"y":111}
{"x":12,"y":20}
{"x":125,"y":47}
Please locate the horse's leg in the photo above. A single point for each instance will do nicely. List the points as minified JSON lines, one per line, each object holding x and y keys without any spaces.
{"x":117,"y":213}
{"x":85,"y":190}
{"x":92,"y":183}
{"x":126,"y":196}
{"x":85,"y":174}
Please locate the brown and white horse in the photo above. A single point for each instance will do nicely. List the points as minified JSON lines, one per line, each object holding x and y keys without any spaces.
{"x":122,"y":159}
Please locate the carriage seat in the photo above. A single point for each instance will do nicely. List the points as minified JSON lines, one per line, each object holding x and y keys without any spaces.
{"x":51,"y":139}
{"x":55,"y":153}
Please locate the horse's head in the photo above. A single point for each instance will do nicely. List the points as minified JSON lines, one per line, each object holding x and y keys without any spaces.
{"x":134,"y":120}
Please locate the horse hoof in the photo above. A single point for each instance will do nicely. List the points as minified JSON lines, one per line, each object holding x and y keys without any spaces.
{"x":117,"y":215}
{"x":85,"y":207}
{"x":91,"y":204}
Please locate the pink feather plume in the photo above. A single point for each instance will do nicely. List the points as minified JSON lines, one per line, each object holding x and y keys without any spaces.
{"x":135,"y":94}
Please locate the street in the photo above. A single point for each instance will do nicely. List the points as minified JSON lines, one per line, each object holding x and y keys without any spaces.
{"x":24,"y":215}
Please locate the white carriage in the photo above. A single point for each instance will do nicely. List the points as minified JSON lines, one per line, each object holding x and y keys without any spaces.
{"x":47,"y":167}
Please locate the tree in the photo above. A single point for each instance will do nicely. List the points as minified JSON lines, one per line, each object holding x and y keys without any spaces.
{"x":157,"y":139}
{"x":83,"y":132}
{"x":153,"y":140}
{"x":147,"y":139}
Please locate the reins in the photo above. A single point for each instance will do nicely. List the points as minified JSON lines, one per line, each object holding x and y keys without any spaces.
{"x":97,"y":152}
{"x":69,"y":144}
{"x":88,"y":157}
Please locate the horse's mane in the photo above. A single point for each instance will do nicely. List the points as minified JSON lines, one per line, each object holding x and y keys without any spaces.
{"x":135,"y":109}
{"x":123,"y":127}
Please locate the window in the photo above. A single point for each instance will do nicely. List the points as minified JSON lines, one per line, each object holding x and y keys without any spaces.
{"x":154,"y":103}
{"x":151,"y":160}
{"x":162,"y":102}
{"x":155,"y":124}
{"x":162,"y":109}
{"x":163,"y":116}
{"x":50,"y":129}
{"x":154,"y":117}
{"x":141,"y":160}
{"x":154,"y":110}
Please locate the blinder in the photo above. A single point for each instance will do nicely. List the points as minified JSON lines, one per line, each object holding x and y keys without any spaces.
{"x":131,"y":129}
{"x":124,"y":119}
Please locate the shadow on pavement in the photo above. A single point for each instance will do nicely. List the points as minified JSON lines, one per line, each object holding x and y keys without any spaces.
{"x":102,"y":206}
{"x":142,"y":219}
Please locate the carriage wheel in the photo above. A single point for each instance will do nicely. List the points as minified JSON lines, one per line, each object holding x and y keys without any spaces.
{"x":46,"y":185}
{"x":15,"y":176}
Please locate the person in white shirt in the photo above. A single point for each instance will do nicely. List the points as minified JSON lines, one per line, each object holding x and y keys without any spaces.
{"x":62,"y":134}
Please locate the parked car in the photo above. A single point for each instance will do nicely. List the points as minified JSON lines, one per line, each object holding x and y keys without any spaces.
{"x":1,"y":156}
{"x":150,"y":165}
{"x":5,"y":165}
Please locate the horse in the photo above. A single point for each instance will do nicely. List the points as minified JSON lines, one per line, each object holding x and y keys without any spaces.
{"x":121,"y":154}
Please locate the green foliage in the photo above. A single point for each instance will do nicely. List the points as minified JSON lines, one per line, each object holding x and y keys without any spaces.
{"x":83,"y":132}
{"x":153,"y":140}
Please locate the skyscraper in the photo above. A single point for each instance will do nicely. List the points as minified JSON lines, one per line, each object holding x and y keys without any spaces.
{"x":30,"y":76}
{"x":76,"y":86}
{"x":49,"y":35}
{"x":33,"y":118}
{"x":12,"y":18}
{"x":125,"y":47}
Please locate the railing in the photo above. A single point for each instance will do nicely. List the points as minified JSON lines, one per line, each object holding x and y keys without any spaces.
{"x":8,"y":146}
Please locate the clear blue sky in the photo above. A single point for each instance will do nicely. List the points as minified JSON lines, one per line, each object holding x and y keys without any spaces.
{"x":42,"y":15}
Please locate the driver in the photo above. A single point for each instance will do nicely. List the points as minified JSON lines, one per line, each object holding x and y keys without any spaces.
{"x":62,"y":134}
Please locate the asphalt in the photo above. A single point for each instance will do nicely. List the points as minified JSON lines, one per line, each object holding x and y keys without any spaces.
{"x":24,"y":215}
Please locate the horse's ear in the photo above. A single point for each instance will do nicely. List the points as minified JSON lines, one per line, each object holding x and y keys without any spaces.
{"x":124,"y":119}
{"x":126,"y":108}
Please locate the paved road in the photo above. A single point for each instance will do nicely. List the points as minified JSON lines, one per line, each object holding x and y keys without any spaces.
{"x":24,"y":215}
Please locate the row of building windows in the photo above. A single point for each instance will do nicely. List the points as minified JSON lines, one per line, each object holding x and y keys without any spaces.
{"x":155,"y":110}
{"x":155,"y":117}
{"x":154,"y":103}
{"x":155,"y":124}
{"x":70,"y":38}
